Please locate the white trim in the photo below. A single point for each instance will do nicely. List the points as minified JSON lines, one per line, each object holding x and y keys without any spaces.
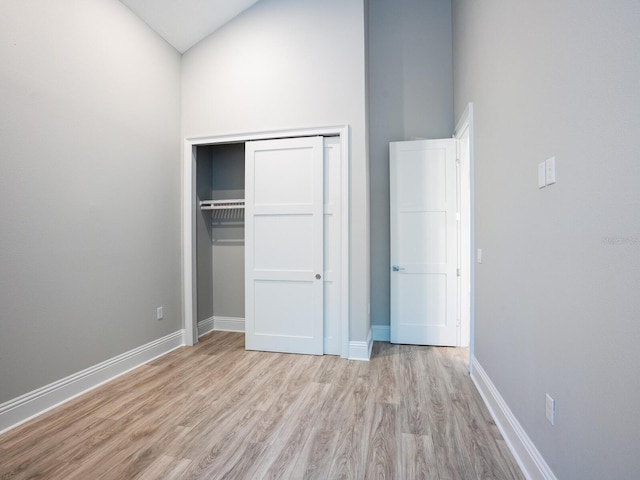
{"x":466,"y":122}
{"x":189,"y":243}
{"x":27,"y":406}
{"x":381,"y":333}
{"x":189,"y":209}
{"x":361,"y":350}
{"x":345,"y":248}
{"x":228,"y":324}
{"x":205,"y":326}
{"x":525,"y":452}
{"x":220,"y":324}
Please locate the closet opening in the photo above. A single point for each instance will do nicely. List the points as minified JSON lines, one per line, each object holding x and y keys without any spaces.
{"x":220,"y":192}
{"x":220,"y":262}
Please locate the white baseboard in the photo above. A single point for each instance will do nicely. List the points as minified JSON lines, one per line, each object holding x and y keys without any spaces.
{"x":381,"y":333}
{"x":228,"y":324}
{"x":525,"y":452}
{"x":27,"y":406}
{"x":361,"y":350}
{"x":205,"y":326}
{"x":220,"y":324}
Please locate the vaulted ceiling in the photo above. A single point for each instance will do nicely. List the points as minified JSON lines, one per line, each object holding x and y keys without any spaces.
{"x":183,"y":23}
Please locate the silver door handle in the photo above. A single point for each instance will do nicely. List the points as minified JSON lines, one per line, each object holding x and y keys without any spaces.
{"x":397,"y":268}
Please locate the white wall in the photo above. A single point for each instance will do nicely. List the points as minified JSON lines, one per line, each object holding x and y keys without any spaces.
{"x":557,"y":293}
{"x":288,"y":64}
{"x":89,"y":188}
{"x":411,"y":95}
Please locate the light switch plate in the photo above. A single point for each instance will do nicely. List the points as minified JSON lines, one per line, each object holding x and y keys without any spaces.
{"x":550,"y":170}
{"x":542,"y":175}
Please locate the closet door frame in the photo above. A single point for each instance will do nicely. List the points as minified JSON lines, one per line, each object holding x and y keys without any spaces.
{"x":189,"y":210}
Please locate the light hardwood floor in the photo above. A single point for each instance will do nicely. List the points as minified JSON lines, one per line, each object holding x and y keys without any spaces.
{"x":216,"y":411}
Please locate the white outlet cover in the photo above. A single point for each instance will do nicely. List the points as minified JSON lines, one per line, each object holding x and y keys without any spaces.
{"x":550,"y":410}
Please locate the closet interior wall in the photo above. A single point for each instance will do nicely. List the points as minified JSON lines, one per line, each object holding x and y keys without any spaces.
{"x":220,"y":234}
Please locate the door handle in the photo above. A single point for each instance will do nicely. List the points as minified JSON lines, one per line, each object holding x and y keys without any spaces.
{"x":318,"y":276}
{"x":397,"y":268}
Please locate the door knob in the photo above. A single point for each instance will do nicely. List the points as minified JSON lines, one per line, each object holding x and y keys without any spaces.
{"x":318,"y":277}
{"x":397,"y":268}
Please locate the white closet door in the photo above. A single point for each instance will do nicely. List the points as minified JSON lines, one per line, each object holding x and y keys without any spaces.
{"x":424,"y":242}
{"x":332,"y":246}
{"x":284,"y":245}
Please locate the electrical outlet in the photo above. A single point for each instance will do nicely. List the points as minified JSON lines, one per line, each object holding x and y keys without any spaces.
{"x":551,"y":410}
{"x":159,"y":313}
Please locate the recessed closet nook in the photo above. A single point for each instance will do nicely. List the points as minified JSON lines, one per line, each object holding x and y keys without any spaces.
{"x":269,"y":242}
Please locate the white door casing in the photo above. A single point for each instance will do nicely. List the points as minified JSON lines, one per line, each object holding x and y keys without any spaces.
{"x":464,"y":229}
{"x":464,"y":133}
{"x":284,"y":216}
{"x":189,"y":206}
{"x":424,"y":242}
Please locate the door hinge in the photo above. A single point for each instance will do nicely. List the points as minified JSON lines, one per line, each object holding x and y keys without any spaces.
{"x":457,"y":151}
{"x":457,"y":272}
{"x":457,"y":322}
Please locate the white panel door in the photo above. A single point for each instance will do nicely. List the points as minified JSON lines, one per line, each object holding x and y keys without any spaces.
{"x":332,"y":246}
{"x":424,"y":257}
{"x":284,"y":245}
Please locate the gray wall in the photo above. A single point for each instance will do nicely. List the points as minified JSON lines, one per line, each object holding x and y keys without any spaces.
{"x":557,"y":293}
{"x":289,"y":64}
{"x":228,"y":235}
{"x":410,"y":95}
{"x":89,"y":188}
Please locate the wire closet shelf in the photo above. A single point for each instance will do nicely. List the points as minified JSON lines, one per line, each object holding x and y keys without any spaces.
{"x":224,"y":210}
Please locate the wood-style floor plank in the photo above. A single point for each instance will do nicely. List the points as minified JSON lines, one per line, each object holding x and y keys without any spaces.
{"x":384,"y":442}
{"x":216,"y":411}
{"x":418,"y":459}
